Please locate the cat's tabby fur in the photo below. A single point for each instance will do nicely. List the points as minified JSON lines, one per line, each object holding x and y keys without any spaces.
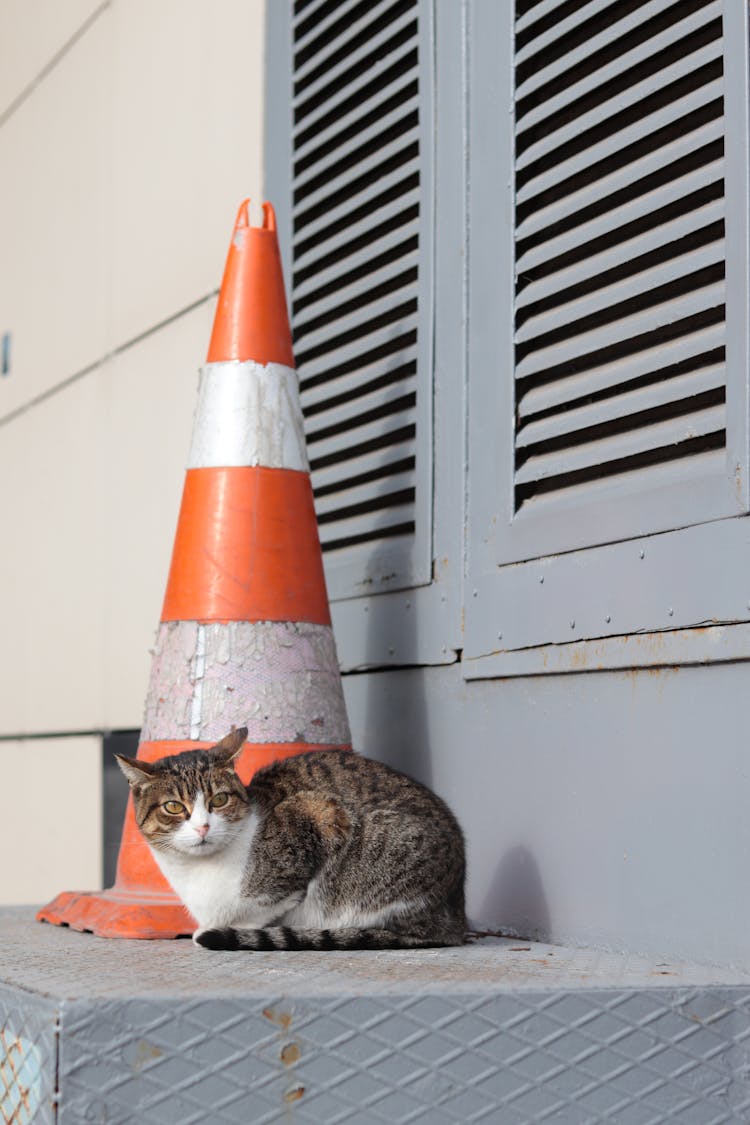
{"x":326,"y":850}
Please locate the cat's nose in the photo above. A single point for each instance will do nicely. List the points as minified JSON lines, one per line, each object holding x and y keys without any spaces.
{"x":202,"y":830}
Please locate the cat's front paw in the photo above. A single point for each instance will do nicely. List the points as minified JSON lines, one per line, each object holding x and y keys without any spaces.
{"x":216,"y":939}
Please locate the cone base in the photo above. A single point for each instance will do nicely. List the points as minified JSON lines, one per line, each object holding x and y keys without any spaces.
{"x":118,"y":914}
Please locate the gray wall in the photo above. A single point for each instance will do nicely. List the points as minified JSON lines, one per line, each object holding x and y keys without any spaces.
{"x":606,"y":809}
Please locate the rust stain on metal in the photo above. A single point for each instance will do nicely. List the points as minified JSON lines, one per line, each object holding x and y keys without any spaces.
{"x":281,"y":1019}
{"x":290,"y":1054}
{"x":295,"y":1094}
{"x":10,"y":1069}
{"x":145,"y":1052}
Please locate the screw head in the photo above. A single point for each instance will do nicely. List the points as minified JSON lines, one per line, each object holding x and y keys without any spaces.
{"x":641,"y":554}
{"x":608,"y":618}
{"x":670,"y":611}
{"x":572,"y":624}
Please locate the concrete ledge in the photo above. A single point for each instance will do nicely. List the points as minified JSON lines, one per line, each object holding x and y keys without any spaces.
{"x":499,"y":1031}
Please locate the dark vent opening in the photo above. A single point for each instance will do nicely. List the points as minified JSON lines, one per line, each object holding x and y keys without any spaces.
{"x":367,"y":208}
{"x":385,"y":410}
{"x":377,"y":262}
{"x":358,"y":155}
{"x":575,"y":37}
{"x":631,"y":346}
{"x":404,"y":465}
{"x":404,"y":65}
{"x":692,"y":241}
{"x":645,"y":460}
{"x":544,"y":23}
{"x":340,"y":138}
{"x":616,"y":122}
{"x":651,"y":298}
{"x":315,"y":18}
{"x":333,"y":343}
{"x":659,"y":375}
{"x":618,"y":235}
{"x":343,"y":80}
{"x":366,"y":238}
{"x":608,"y":52}
{"x":616,"y":426}
{"x":651,"y":142}
{"x":337,"y":456}
{"x":368,"y":537}
{"x":339,"y":28}
{"x":364,"y":298}
{"x":616,"y":85}
{"x":364,"y":359}
{"x":376,"y":504}
{"x":387,"y":379}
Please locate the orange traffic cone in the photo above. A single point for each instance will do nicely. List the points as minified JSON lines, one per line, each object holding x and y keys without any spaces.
{"x":245,"y":637}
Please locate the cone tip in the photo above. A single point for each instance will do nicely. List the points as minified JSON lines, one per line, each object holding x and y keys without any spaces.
{"x":242,"y":222}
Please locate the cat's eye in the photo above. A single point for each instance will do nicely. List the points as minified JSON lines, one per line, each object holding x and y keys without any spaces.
{"x":173,"y":807}
{"x":219,"y":800}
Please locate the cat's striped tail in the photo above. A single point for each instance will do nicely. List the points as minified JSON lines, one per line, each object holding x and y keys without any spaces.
{"x":284,"y":937}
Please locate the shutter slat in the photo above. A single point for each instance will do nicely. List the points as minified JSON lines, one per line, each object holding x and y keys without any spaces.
{"x":371,"y":492}
{"x":579,"y":203}
{"x":620,"y":373}
{"x":667,"y":38}
{"x":308,"y":142}
{"x":659,"y":474}
{"x":388,"y":427}
{"x":663,"y":435}
{"x":562,"y":26}
{"x":328,"y":39}
{"x":353,"y":414}
{"x":374,"y":463}
{"x":357,"y":353}
{"x":589,"y":267}
{"x":394,"y":244}
{"x":649,"y":203}
{"x":650,"y":398}
{"x":630,"y":97}
{"x":332,"y":303}
{"x":334,"y":245}
{"x":398,"y":519}
{"x":369,"y":138}
{"x":626,"y":329}
{"x":392,"y":368}
{"x":604,"y":298}
{"x":541,"y":9}
{"x":353,"y":96}
{"x":361,"y":325}
{"x":611,"y":145}
{"x":341,"y":213}
{"x":345,"y":185}
{"x":363,"y":62}
{"x":541,"y":76}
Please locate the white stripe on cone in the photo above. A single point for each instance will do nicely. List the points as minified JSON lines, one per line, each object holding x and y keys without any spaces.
{"x":248,"y":414}
{"x":280,"y":679}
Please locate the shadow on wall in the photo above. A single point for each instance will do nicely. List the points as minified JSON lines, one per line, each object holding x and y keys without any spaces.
{"x":515,"y":901}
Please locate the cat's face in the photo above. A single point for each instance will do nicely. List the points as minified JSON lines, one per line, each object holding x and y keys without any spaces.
{"x":192,"y":804}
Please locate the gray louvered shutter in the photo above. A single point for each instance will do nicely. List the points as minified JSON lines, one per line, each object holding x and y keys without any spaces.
{"x":620,"y":263}
{"x":356,"y":261}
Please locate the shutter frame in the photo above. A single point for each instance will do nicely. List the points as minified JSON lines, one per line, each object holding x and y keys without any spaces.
{"x":333,"y":295}
{"x":548,"y":577}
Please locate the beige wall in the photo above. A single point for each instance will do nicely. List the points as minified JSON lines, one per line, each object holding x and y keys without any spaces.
{"x":129,"y":133}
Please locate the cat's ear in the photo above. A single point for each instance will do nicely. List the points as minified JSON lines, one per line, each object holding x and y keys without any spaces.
{"x":136,"y":772}
{"x":230,"y":746}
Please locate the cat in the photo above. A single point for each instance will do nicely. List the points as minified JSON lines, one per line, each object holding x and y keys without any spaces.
{"x":324,"y":850}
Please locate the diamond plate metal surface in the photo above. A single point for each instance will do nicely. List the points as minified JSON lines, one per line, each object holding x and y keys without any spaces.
{"x":631,"y":1057}
{"x":28,"y":1052}
{"x":501,"y":1032}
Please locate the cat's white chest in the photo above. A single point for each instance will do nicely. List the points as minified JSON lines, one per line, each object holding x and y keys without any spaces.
{"x":211,"y":886}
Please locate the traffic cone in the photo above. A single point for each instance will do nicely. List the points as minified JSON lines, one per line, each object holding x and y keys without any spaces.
{"x":245,"y":637}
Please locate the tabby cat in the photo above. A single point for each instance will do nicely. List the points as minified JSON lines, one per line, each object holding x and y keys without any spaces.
{"x":326,"y":850}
